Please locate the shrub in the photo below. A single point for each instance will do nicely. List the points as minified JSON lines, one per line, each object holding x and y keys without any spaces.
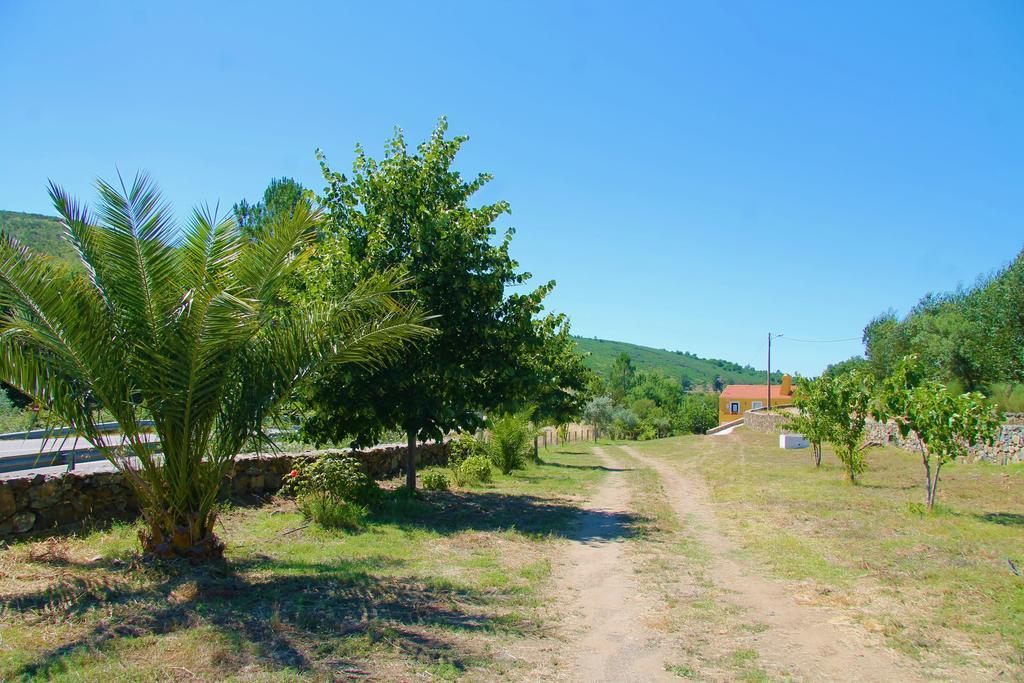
{"x":328,"y":511}
{"x":435,"y":480}
{"x":476,"y":469}
{"x":335,"y":475}
{"x":511,"y":442}
{"x":466,"y":446}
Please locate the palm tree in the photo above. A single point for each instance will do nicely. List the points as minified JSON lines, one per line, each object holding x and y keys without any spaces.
{"x":188,"y":328}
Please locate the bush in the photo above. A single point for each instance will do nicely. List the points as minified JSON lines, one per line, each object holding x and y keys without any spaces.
{"x":697,"y":413}
{"x":328,"y":511}
{"x":466,"y":446}
{"x":435,"y":480}
{"x":334,"y":475}
{"x":476,"y":469}
{"x":511,"y":442}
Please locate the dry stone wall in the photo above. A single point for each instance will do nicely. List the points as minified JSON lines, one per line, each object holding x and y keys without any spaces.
{"x":1007,"y":448}
{"x":32,"y":504}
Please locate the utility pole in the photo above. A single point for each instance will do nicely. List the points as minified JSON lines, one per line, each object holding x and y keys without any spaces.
{"x":768,"y":374}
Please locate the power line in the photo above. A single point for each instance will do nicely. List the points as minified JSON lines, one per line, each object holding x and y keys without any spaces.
{"x":818,"y":341}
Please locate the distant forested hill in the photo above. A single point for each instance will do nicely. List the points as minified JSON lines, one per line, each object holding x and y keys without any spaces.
{"x":686,"y":367}
{"x":41,"y":233}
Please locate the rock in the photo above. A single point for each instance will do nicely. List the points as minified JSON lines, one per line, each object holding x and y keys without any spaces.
{"x":7,"y":505}
{"x":23,"y":522}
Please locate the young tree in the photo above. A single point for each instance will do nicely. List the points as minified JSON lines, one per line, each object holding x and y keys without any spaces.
{"x":413,"y":211}
{"x":186,"y":332}
{"x":621,"y":377}
{"x":697,"y":413}
{"x":944,"y":425}
{"x":600,"y":412}
{"x":811,"y":398}
{"x":279,"y":199}
{"x":846,"y":406}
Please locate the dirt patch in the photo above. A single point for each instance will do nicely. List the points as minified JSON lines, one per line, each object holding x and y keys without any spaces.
{"x":611,"y":622}
{"x":811,"y":642}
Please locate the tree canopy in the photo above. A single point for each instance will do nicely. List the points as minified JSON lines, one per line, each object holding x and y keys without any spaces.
{"x":495,"y":348}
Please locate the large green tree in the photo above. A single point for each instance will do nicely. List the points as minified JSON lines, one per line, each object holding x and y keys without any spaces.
{"x":184,"y":327}
{"x":494,"y":348}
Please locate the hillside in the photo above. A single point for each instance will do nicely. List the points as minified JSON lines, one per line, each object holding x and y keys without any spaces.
{"x":686,"y":367}
{"x":41,"y":233}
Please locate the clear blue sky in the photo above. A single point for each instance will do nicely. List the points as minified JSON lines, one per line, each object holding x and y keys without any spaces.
{"x":692,"y":174}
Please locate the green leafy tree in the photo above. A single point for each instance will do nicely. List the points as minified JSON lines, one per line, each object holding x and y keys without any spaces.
{"x":812,"y":398}
{"x":184,"y":330}
{"x":621,"y":377}
{"x":944,"y":425}
{"x":279,"y":199}
{"x":493,"y":351}
{"x":600,"y":412}
{"x":846,"y":406}
{"x":697,"y":413}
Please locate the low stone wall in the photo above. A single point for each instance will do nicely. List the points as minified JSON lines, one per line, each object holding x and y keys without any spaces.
{"x":1008,"y":446}
{"x":34,"y":503}
{"x":763,"y":421}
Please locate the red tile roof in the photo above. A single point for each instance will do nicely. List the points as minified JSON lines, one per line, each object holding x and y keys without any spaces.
{"x":754,"y":391}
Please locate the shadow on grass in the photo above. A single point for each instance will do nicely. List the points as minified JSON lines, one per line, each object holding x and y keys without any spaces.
{"x":289,"y":615}
{"x":449,"y":512}
{"x":284,"y":611}
{"x":600,"y":468}
{"x":1004,"y":518}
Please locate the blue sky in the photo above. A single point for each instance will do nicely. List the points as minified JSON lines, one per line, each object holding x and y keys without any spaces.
{"x":692,"y":174}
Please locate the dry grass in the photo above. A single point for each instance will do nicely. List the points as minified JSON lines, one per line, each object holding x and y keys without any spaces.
{"x":439,"y":588}
{"x":939,"y":586}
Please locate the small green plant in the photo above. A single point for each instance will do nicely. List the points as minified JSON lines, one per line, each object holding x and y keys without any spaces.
{"x":459,"y":449}
{"x":330,"y":512}
{"x":435,"y":480}
{"x":335,"y":475}
{"x":511,"y":442}
{"x":476,"y":469}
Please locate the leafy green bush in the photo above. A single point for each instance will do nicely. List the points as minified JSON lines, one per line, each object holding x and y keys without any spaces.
{"x":476,"y":469}
{"x":328,"y":511}
{"x":435,"y":480}
{"x":466,"y":446}
{"x":335,"y":475}
{"x":511,"y":442}
{"x":1007,"y":397}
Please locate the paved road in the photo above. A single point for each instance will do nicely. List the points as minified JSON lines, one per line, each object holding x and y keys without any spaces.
{"x":49,"y":456}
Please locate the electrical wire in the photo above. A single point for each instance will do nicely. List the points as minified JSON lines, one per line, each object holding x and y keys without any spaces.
{"x":819,"y":341}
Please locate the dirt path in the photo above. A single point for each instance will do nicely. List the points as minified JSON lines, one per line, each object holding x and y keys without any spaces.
{"x":812,"y":643}
{"x":608,"y":614}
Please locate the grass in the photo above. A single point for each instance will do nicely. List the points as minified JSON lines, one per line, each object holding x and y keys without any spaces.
{"x":938,"y":585}
{"x":438,"y":587}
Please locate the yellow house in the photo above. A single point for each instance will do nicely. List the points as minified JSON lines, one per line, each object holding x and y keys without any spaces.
{"x":737,"y":399}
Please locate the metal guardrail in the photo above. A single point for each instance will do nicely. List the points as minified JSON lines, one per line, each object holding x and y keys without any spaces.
{"x":44,"y":433}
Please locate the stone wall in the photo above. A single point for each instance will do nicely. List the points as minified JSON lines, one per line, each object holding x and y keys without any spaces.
{"x":1008,"y":446}
{"x":763,"y":421}
{"x":31,"y":504}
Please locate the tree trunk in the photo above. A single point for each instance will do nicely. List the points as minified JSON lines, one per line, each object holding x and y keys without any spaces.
{"x":410,"y":461}
{"x":193,"y":541}
{"x":817,"y":455}
{"x":934,"y":487}
{"x":927,"y":478}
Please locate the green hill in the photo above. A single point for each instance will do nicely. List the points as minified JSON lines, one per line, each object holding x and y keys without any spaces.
{"x":688,"y":368}
{"x":41,"y":233}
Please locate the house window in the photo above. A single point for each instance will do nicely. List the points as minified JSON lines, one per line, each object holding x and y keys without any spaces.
{"x":734,"y":407}
{"x":756,"y":404}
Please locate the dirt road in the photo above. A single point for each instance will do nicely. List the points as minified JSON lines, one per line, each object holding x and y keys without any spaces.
{"x":610,"y":617}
